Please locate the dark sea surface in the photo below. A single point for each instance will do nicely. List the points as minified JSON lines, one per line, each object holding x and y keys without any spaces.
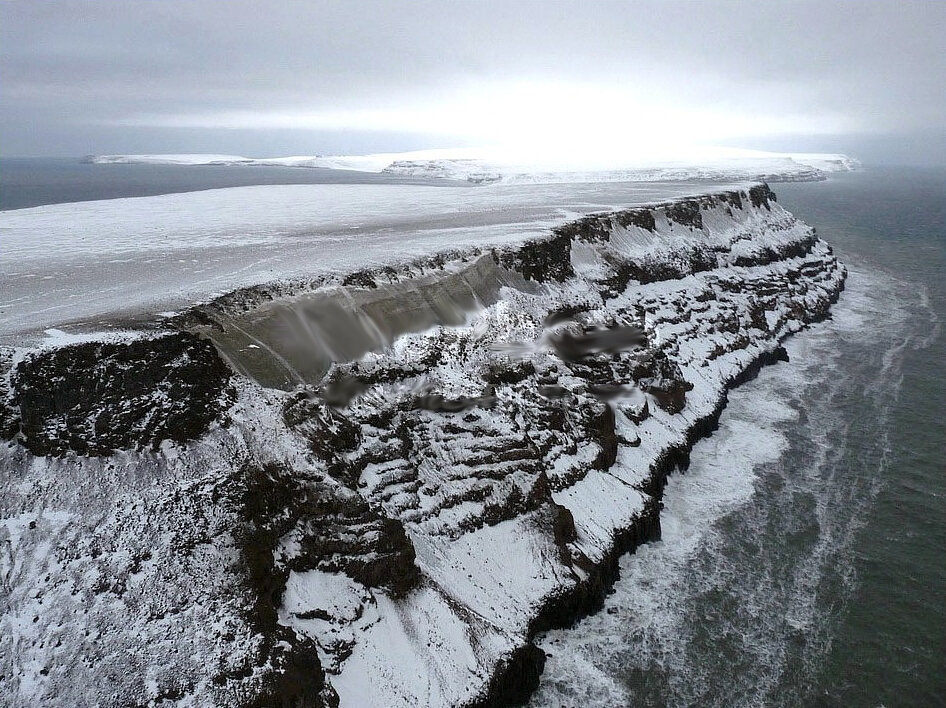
{"x":27,"y":182}
{"x":803,"y":559}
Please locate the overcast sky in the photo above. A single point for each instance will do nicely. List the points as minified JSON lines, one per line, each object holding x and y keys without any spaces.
{"x":269,"y":77}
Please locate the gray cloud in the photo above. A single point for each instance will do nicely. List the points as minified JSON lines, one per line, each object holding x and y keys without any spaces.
{"x":113,"y":76}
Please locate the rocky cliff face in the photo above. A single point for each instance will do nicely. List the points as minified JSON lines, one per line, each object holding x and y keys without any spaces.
{"x":96,"y":398}
{"x":388,"y":524}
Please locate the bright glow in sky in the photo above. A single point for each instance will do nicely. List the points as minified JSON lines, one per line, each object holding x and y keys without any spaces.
{"x":265,"y":77}
{"x":530,"y":117}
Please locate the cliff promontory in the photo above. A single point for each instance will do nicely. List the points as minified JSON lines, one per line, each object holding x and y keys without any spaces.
{"x":375,"y":490}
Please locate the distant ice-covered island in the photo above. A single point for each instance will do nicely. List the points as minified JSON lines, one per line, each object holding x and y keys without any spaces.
{"x":479,"y":165}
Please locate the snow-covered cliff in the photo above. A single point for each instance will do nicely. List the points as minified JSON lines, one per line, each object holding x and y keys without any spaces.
{"x":375,"y":492}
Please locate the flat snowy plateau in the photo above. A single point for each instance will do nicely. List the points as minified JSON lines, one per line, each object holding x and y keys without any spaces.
{"x":72,"y":264}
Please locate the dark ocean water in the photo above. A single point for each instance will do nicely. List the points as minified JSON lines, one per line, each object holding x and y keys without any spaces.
{"x":803,"y":560}
{"x":27,"y":182}
{"x":889,"y":642}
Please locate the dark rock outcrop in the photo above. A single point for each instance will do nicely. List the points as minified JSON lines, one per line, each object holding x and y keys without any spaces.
{"x":331,"y":528}
{"x":9,"y":416}
{"x":264,"y":497}
{"x":542,"y":261}
{"x":662,"y":378}
{"x":99,"y":397}
{"x":761,"y":195}
{"x":686,"y":212}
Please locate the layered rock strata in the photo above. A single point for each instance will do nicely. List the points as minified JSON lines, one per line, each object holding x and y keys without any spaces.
{"x":304,"y":496}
